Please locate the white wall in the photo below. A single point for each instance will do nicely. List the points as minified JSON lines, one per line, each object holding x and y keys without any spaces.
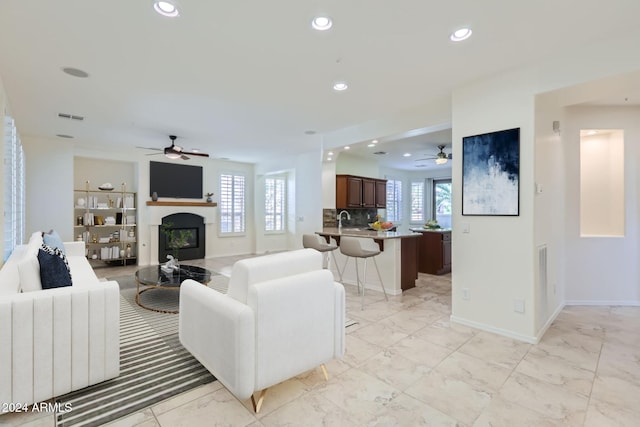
{"x":347,"y":164}
{"x":305,"y":202}
{"x":49,"y":185}
{"x":99,"y":171}
{"x":603,"y":270}
{"x":549,"y":208}
{"x":494,"y":261}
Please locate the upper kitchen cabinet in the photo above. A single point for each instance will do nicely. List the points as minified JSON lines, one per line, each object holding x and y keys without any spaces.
{"x":381,"y":193}
{"x":360,"y":192}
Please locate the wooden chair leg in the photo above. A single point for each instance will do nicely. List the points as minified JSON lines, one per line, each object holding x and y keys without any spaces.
{"x":258,"y":405}
{"x":324,"y":372}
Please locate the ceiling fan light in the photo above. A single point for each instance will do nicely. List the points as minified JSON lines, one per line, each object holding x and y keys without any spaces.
{"x":174,"y":156}
{"x":441,"y":160}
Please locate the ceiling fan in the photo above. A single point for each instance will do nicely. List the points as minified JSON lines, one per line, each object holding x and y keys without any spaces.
{"x":175,"y":151}
{"x":441,"y":158}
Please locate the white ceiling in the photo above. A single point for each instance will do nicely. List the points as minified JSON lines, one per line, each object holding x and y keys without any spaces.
{"x":246,"y":80}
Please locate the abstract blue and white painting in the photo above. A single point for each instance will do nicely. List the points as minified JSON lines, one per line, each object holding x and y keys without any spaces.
{"x":491,"y":173}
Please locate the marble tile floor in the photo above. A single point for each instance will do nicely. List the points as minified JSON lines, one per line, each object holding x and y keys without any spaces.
{"x":407,"y":365}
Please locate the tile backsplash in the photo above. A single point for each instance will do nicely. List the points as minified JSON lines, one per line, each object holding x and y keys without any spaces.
{"x":359,"y":217}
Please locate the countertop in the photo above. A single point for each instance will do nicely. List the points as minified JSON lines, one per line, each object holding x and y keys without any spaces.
{"x":363,"y":232}
{"x":430,"y":230}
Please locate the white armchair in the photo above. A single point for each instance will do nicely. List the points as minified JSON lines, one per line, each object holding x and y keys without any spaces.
{"x":283,"y":315}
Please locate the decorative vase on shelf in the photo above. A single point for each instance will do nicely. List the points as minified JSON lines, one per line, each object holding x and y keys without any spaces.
{"x":154,"y":196}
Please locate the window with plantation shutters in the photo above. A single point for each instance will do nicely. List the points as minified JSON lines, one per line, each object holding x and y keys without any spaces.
{"x":274,"y":204}
{"x":232,"y":203}
{"x":417,"y":201}
{"x":394,"y":201}
{"x":14,"y":199}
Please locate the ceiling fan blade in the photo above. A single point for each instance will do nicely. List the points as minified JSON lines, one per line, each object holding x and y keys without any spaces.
{"x":183,"y":157}
{"x":152,"y":154}
{"x":195,"y":153}
{"x":425,"y":158}
{"x":149,"y":148}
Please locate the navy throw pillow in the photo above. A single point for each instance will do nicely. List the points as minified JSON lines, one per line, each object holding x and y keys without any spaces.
{"x":54,"y":269}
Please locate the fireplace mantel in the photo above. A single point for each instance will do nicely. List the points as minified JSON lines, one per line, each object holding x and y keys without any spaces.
{"x":152,"y":203}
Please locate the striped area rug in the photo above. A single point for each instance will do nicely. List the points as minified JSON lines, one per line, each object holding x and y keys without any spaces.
{"x":153,"y":365}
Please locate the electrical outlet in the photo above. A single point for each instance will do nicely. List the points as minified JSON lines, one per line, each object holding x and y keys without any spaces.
{"x":466,"y":294}
{"x":466,"y":228}
{"x":518,"y":305}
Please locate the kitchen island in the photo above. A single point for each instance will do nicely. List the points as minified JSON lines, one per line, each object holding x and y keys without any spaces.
{"x":398,"y":259}
{"x":434,"y":250}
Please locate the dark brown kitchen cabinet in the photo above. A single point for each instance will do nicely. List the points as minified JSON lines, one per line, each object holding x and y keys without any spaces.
{"x":368,"y":193}
{"x":434,"y":252}
{"x":381,"y":193}
{"x":360,"y":192}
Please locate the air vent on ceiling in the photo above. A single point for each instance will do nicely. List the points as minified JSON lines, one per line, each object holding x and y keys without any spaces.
{"x":62,"y":135}
{"x":70,"y":116}
{"x":380,"y":153}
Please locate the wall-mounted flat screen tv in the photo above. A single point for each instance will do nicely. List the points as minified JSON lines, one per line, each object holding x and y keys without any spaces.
{"x":175,"y":180}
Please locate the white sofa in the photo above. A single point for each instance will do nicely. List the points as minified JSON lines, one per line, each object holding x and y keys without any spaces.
{"x":55,"y":341}
{"x":283,"y":315}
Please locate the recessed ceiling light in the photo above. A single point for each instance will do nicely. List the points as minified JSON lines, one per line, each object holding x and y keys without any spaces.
{"x":346,"y":147}
{"x":375,"y":141}
{"x":340,"y":86}
{"x":166,"y":8}
{"x":328,"y":159}
{"x":321,"y":23}
{"x":75,"y":72}
{"x":406,"y":155}
{"x":330,"y":153}
{"x":460,"y":34}
{"x":371,"y":145}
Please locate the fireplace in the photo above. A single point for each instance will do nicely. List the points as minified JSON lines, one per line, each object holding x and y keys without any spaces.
{"x":189,"y":225}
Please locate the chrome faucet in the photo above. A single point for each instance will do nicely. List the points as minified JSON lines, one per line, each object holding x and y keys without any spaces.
{"x":340,"y":218}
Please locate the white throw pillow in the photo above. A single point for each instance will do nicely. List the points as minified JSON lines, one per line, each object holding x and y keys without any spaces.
{"x":29,"y":267}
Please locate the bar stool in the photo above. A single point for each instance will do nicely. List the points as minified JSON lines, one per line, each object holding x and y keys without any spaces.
{"x":361,"y":248}
{"x":318,"y":243}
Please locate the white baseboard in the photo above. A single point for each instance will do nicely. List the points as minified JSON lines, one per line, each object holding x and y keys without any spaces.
{"x":493,"y":329}
{"x":550,"y":320}
{"x":626,"y":303}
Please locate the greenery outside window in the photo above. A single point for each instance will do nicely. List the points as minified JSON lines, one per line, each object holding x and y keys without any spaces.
{"x":442,"y":202}
{"x":232,"y":203}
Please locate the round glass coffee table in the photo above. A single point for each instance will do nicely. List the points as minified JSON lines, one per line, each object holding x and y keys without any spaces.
{"x":153,"y":278}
